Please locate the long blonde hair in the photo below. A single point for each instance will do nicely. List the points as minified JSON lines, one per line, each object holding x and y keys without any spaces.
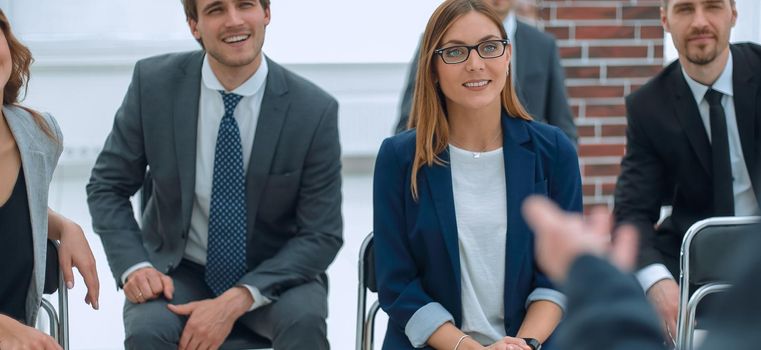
{"x":428,"y":113}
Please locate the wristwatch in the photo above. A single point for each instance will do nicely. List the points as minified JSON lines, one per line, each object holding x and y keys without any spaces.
{"x":533,"y":343}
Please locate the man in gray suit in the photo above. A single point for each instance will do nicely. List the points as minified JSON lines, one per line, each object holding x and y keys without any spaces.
{"x":540,"y":81}
{"x":244,"y":214}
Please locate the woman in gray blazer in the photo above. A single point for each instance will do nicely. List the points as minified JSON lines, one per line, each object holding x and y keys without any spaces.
{"x":30,"y":144}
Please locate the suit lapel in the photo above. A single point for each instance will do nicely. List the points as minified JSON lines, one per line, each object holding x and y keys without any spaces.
{"x":520,"y":167}
{"x":185,"y":117}
{"x":440,"y":187}
{"x":746,"y":92}
{"x":688,"y":115}
{"x":272,"y":114}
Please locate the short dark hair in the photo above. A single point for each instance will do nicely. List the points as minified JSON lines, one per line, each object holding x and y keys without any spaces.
{"x":191,"y":8}
{"x":665,"y":3}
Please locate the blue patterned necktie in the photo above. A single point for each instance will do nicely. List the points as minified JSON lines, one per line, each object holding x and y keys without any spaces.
{"x":226,"y":251}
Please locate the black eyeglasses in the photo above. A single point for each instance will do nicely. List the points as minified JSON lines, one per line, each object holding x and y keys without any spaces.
{"x":485,"y":49}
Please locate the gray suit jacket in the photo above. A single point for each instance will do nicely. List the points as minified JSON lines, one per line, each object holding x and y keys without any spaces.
{"x":39,"y":156}
{"x":540,"y":83}
{"x":293,"y":180}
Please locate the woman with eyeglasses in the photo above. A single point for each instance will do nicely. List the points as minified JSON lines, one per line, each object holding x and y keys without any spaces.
{"x":30,"y":144}
{"x":454,"y":258}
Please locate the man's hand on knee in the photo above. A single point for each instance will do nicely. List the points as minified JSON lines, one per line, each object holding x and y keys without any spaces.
{"x":147,"y":284}
{"x":210,"y":321}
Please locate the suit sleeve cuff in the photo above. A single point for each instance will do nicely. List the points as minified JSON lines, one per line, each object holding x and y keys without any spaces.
{"x":259,"y":299}
{"x":547,"y":294}
{"x":134,"y":268}
{"x":424,"y":322}
{"x":652,"y":274}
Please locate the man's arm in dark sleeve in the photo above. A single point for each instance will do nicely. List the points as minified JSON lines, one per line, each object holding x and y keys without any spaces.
{"x":606,"y":310}
{"x":640,"y":187}
{"x":118,"y":173}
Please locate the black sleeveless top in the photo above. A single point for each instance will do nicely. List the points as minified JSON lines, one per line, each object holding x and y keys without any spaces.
{"x":16,"y":252}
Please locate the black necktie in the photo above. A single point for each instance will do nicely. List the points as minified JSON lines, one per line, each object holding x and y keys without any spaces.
{"x":723,"y":194}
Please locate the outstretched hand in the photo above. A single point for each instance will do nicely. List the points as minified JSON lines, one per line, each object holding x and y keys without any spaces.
{"x":562,"y":237}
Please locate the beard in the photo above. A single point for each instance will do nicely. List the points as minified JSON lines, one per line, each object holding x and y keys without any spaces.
{"x":702,"y":54}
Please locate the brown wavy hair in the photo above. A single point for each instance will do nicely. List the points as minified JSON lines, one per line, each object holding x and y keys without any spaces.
{"x":428,"y":113}
{"x":191,"y":8}
{"x":21,"y":59}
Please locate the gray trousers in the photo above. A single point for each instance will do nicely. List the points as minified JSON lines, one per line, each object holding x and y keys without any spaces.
{"x":295,"y":321}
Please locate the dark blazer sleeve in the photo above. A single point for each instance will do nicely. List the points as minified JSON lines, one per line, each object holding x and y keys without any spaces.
{"x":558,"y":111}
{"x":118,"y":173}
{"x":606,"y":310}
{"x":640,"y":186}
{"x":409,"y":90}
{"x":400,"y":290}
{"x":308,"y":253}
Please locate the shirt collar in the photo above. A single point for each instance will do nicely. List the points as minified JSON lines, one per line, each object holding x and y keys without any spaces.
{"x":249,"y":88}
{"x":510,"y":23}
{"x":723,"y":84}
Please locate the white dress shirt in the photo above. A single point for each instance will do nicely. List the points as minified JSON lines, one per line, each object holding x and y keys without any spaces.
{"x":511,"y":24}
{"x":745,"y":200}
{"x":210,"y":112}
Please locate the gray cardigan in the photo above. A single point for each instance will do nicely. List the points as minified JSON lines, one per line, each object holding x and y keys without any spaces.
{"x":39,"y":156}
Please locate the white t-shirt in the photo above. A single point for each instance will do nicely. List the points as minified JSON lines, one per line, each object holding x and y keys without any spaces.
{"x":480,"y":201}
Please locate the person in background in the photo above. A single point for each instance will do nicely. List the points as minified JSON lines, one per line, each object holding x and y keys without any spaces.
{"x":30,"y":144}
{"x":692,"y":139}
{"x":454,"y":258}
{"x":539,"y":78}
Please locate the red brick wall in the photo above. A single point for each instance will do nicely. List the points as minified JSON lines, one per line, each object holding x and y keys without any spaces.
{"x":608,"y":49}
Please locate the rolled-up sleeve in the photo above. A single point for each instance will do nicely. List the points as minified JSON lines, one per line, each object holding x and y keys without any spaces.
{"x":547,"y":294}
{"x":424,"y":322}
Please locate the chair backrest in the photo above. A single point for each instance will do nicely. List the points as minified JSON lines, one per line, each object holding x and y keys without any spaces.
{"x":59,"y":320}
{"x":710,"y":244}
{"x":368,"y":257}
{"x":51,"y":269}
{"x":707,"y":248}
{"x":367,"y":282}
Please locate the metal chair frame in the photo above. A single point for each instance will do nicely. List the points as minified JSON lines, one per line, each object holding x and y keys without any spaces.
{"x":59,"y":326}
{"x":365,"y":318}
{"x":688,"y":305}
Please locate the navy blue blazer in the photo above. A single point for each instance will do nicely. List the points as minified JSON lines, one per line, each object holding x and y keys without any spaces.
{"x":416,"y":246}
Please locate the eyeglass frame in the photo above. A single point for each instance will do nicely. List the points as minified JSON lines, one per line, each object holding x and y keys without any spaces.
{"x":440,"y":52}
